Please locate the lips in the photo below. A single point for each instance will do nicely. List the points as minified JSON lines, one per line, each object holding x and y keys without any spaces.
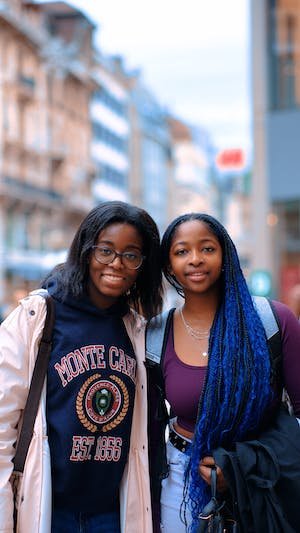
{"x":196,"y":276}
{"x":112,"y":277}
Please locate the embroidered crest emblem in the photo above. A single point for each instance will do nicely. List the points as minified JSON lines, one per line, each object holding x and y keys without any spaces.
{"x":103,"y":400}
{"x":102,"y":403}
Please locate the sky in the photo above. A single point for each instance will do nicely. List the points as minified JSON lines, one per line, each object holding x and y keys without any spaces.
{"x":193,"y":54}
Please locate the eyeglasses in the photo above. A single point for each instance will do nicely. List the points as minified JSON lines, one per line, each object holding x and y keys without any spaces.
{"x":104,"y":255}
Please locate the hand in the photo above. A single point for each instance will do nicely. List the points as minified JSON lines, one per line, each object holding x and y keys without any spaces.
{"x":205,"y":466}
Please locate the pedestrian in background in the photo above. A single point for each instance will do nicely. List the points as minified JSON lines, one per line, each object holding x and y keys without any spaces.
{"x":215,"y":371}
{"x":90,"y":435}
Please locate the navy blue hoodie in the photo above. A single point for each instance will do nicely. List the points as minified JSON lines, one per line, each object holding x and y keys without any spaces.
{"x":90,"y":396}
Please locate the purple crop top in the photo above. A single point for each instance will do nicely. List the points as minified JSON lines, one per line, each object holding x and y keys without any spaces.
{"x":184,"y":383}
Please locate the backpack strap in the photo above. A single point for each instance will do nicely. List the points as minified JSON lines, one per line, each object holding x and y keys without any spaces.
{"x":156,"y":334}
{"x":271,"y":325}
{"x":36,"y":386}
{"x":266,"y":313}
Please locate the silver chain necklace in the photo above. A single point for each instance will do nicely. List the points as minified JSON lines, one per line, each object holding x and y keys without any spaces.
{"x":195,"y":333}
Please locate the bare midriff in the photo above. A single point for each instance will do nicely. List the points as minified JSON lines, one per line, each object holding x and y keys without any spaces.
{"x":183,"y":432}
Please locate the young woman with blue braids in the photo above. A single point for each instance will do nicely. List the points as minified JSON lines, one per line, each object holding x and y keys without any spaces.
{"x":215,"y":371}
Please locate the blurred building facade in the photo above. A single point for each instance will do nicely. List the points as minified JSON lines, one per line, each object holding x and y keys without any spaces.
{"x":275,"y":37}
{"x":131,"y":145}
{"x":77,"y":128}
{"x":45,"y":163}
{"x":193,"y":188}
{"x":151,"y":168}
{"x":110,"y":131}
{"x":232,"y":177}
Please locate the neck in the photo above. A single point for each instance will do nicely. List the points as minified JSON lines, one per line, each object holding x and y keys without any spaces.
{"x":201,"y":306}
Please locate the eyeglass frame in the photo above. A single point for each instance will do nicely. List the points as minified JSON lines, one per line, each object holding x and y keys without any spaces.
{"x":117,"y":254}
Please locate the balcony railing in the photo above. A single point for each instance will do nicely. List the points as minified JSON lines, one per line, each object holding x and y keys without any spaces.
{"x":14,"y":188}
{"x":32,"y":264}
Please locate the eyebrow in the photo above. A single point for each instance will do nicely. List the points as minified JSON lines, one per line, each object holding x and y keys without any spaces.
{"x":206,"y":239}
{"x":110,"y":243}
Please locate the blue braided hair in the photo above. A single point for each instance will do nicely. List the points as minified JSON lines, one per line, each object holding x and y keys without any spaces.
{"x":237,"y":388}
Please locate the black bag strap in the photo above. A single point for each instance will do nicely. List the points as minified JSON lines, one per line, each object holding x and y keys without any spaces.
{"x":213,"y":482}
{"x":36,"y":386}
{"x":210,"y":519}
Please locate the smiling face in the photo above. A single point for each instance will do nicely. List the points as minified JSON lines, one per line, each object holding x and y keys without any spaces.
{"x":195,"y":257}
{"x":108,"y":282}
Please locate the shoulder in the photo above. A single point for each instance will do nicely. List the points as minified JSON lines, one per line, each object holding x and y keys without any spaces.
{"x":36,"y":297}
{"x":159,"y":322}
{"x":286,"y":317}
{"x":281,"y":308}
{"x":35,"y":303}
{"x":27,"y":317}
{"x":29,"y":306}
{"x":281,"y":312}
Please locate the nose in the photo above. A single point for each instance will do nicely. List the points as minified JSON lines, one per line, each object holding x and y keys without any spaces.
{"x":117,"y":260}
{"x":196,"y":257}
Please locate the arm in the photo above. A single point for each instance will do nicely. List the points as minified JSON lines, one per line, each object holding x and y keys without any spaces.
{"x":13,"y":393}
{"x":19,"y":338}
{"x":290,"y":336}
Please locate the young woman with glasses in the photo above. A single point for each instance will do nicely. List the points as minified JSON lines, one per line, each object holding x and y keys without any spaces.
{"x":89,"y":452}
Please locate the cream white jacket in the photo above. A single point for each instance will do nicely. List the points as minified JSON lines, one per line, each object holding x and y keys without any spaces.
{"x":19,"y":339}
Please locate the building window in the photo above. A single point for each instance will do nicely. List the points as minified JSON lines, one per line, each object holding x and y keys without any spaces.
{"x":112,"y":176}
{"x":284,"y":73}
{"x":105,"y":97}
{"x":292,"y":222}
{"x":103,"y":134}
{"x":287,"y":71}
